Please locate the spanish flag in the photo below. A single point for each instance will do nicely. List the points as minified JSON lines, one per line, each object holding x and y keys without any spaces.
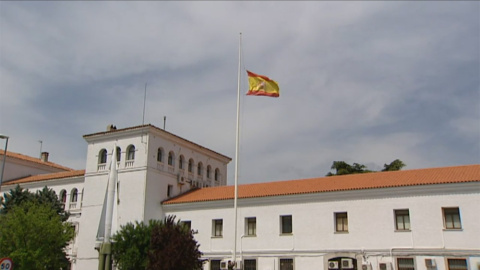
{"x":260,"y":85}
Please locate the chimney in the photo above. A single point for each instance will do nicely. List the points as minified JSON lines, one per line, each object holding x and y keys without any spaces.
{"x":111,"y":127}
{"x":44,"y":156}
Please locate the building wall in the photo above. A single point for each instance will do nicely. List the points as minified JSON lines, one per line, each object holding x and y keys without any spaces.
{"x":371,"y":226}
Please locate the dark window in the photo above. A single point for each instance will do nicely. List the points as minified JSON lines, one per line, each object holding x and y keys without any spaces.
{"x":160,"y":155}
{"x":286,"y":224}
{"x":405,"y":264}
{"x":286,"y":264}
{"x":200,"y":168}
{"x":171,"y":158}
{"x":190,"y":165}
{"x":169,"y":190}
{"x":131,"y":152}
{"x":180,"y":162}
{"x":208,"y":171}
{"x":402,"y":220}
{"x":74,"y":195}
{"x":215,"y":265}
{"x":457,"y":264}
{"x":187,"y":224}
{"x":341,"y":222}
{"x":217,"y":227}
{"x":102,"y":156}
{"x":251,"y":226}
{"x":452,"y":218}
{"x":217,"y":174}
{"x":250,"y":264}
{"x":119,"y":153}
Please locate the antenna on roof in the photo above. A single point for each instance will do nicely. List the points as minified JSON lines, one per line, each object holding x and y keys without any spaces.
{"x":164,"y":121}
{"x":144,"y":100}
{"x":41,"y":142}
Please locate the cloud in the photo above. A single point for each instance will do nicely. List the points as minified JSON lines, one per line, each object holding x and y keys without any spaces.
{"x":364,"y":82}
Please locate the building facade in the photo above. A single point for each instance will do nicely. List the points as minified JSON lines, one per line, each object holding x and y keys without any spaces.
{"x":413,"y":219}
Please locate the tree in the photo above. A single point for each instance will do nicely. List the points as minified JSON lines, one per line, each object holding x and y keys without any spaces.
{"x":341,"y":167}
{"x":131,"y":245}
{"x":395,"y":165}
{"x":35,"y":237}
{"x":14,"y":198}
{"x":173,"y":247}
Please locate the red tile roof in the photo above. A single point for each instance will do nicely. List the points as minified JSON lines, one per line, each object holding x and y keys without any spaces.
{"x":45,"y":177}
{"x":431,"y":176}
{"x":34,"y":160}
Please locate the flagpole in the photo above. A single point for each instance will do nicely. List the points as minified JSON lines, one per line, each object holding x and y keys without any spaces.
{"x":236,"y":151}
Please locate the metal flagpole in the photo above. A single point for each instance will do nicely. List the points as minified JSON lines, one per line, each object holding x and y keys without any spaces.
{"x":236,"y":152}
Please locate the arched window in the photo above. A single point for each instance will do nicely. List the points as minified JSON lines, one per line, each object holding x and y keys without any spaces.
{"x":119,"y":153}
{"x":181,"y":160}
{"x":217,"y":174}
{"x":200,"y":168}
{"x":74,"y":195}
{"x":171,"y":158}
{"x":190,"y":165}
{"x":63,"y":197}
{"x":209,"y":168}
{"x":160,"y":155}
{"x":102,"y":156}
{"x":81,"y":198}
{"x":131,"y":152}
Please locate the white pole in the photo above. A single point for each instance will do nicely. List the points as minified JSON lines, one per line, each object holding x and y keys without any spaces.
{"x":236,"y":152}
{"x":112,"y":179}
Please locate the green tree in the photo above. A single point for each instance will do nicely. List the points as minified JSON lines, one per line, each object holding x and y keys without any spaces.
{"x":173,"y":247}
{"x":46,"y":196}
{"x":395,"y":165}
{"x":35,"y":237}
{"x":341,"y":167}
{"x":131,"y":245}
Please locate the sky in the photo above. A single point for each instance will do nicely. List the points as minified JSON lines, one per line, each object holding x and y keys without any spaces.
{"x":362,"y":82}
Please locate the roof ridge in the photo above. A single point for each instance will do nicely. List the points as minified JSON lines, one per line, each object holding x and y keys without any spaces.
{"x":16,"y":155}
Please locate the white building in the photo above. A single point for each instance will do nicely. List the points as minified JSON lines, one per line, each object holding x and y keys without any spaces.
{"x":413,"y":219}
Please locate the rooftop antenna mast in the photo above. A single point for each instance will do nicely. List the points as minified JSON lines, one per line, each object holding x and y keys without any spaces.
{"x":41,"y":142}
{"x":144,"y":101}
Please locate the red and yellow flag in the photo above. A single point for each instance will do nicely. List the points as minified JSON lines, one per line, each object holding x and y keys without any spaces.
{"x":260,"y":85}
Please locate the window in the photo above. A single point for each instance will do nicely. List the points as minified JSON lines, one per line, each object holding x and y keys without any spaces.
{"x":119,"y":153}
{"x":286,"y":224}
{"x":181,"y":160}
{"x":187,"y":224}
{"x":250,"y":264}
{"x":251,"y":226}
{"x":209,"y":168}
{"x":190,"y":165}
{"x":215,"y":265}
{"x":131,"y":152}
{"x":200,"y":168}
{"x":217,"y":227}
{"x":402,"y":220}
{"x":102,"y":156}
{"x":451,"y":217}
{"x":286,"y":264}
{"x":74,"y":195}
{"x":169,"y":191}
{"x":341,"y":222}
{"x":171,"y":158}
{"x":160,"y":155}
{"x":405,"y":264}
{"x":63,"y":197}
{"x":217,"y":174}
{"x":457,"y":264}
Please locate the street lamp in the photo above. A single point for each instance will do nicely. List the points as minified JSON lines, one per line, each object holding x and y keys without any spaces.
{"x":4,"y":157}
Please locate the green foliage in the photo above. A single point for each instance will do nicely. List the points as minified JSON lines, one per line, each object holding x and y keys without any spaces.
{"x":341,"y":167}
{"x":395,"y":165}
{"x":158,"y":245}
{"x":34,"y":236}
{"x":173,"y":247}
{"x":131,"y":245}
{"x":46,"y":196}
